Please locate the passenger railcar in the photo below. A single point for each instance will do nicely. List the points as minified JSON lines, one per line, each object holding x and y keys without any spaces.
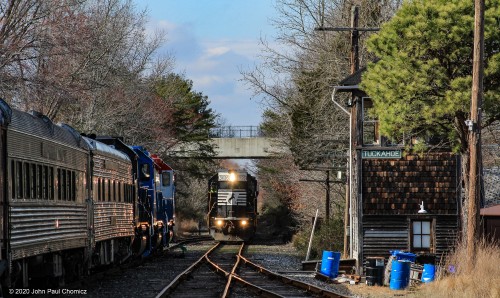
{"x":113,"y":199}
{"x":70,"y":203}
{"x":141,"y":219}
{"x":44,"y":206}
{"x":232,"y":205}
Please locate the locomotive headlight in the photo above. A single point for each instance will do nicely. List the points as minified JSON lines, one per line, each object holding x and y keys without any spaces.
{"x":232,"y":177}
{"x":244,"y":222}
{"x":219,"y":222}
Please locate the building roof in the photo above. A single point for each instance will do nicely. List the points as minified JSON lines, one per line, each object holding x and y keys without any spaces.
{"x":491,"y":211}
{"x":353,"y":79}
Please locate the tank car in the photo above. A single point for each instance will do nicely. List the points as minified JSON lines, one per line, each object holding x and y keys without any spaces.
{"x":232,"y":205}
{"x":45,"y":223}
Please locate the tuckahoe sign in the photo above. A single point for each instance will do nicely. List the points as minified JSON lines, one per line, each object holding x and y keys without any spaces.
{"x":381,"y":154}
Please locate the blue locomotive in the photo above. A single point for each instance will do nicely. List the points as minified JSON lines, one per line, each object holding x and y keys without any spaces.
{"x":166,"y":201}
{"x":71,"y":203}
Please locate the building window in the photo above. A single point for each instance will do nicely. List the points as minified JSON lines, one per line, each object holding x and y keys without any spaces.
{"x":421,"y":235}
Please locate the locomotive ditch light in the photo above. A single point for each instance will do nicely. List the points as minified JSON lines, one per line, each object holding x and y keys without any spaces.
{"x":220,"y":222}
{"x":244,"y":222}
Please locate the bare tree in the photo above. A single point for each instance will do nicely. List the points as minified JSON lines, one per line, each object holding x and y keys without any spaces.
{"x":70,"y":59}
{"x":299,"y":68}
{"x":301,"y":65}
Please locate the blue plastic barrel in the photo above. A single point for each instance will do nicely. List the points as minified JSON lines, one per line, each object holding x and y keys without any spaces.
{"x":428,"y":273}
{"x":330,"y":263}
{"x":400,"y":274}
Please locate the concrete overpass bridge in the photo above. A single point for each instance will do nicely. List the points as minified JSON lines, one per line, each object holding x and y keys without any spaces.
{"x":236,"y":142}
{"x":244,"y":142}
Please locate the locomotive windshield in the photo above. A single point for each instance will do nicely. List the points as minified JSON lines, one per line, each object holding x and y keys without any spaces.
{"x":165,"y":179}
{"x":232,"y":185}
{"x":145,"y":171}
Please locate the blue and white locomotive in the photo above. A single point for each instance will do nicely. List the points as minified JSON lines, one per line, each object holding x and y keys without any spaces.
{"x":70,"y":203}
{"x":166,"y":201}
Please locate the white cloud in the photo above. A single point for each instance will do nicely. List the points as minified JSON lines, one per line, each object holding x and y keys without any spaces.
{"x":213,"y":66}
{"x":246,"y":47}
{"x":217,"y":51}
{"x":207,"y":80}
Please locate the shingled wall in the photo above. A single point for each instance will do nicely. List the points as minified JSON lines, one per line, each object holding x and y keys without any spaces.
{"x":398,"y":186}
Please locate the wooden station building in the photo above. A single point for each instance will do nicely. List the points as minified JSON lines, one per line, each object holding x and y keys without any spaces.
{"x":398,"y":200}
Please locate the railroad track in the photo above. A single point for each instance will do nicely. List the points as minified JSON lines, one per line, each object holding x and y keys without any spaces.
{"x":199,"y":280}
{"x":143,"y":277}
{"x":224,"y":272}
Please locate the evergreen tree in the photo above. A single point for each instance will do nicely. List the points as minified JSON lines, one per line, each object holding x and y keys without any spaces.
{"x":190,"y":122}
{"x":421,"y":85}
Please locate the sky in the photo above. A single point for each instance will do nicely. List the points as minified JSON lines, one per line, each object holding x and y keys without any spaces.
{"x":211,"y":41}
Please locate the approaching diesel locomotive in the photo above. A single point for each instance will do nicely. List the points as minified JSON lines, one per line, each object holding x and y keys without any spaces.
{"x":232,"y":205}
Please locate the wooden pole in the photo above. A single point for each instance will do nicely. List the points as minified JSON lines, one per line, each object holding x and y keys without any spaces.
{"x":312,"y":234}
{"x":354,"y":68}
{"x":346,"y":216}
{"x":327,"y":203}
{"x":354,"y":39}
{"x":475,"y":133}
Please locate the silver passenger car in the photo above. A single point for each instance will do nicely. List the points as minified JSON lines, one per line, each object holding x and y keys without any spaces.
{"x":113,"y":202}
{"x":44,"y":198}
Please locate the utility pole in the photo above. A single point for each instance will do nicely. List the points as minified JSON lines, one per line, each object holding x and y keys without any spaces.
{"x":327,"y":182}
{"x":354,"y":39}
{"x":475,"y":133}
{"x":352,"y":125}
{"x":354,"y":55}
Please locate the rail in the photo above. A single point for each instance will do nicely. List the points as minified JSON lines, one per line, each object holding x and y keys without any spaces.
{"x":263,"y":287}
{"x":236,"y":132}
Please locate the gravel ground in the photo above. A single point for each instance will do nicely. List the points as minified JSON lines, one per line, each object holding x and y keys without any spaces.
{"x":145,"y":280}
{"x":281,"y":258}
{"x":285,"y":260}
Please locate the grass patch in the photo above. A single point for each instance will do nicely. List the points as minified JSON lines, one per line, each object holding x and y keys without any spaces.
{"x":483,"y":280}
{"x":328,"y":237}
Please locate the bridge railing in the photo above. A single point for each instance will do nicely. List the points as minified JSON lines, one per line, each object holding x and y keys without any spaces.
{"x":236,"y":132}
